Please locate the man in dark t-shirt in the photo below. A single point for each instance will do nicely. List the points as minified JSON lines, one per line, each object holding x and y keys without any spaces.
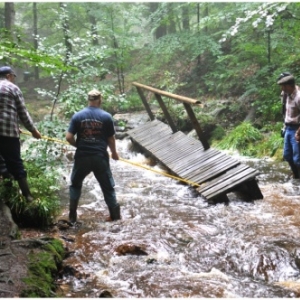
{"x":94,"y":131}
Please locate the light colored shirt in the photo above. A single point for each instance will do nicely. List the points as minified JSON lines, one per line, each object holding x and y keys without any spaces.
{"x":292,"y":113}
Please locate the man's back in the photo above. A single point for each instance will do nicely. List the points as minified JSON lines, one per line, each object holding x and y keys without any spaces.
{"x":93,"y":126}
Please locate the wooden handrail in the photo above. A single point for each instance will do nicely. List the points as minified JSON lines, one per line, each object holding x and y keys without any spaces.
{"x":167,"y":94}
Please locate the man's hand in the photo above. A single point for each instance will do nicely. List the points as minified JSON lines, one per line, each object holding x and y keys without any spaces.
{"x":115,"y":156}
{"x":297,"y":136}
{"x":36,"y":134}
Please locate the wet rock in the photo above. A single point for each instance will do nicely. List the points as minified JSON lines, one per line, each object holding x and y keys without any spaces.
{"x":121,"y":135}
{"x":68,"y":238}
{"x":105,"y":294}
{"x":69,"y":271}
{"x":63,"y":224}
{"x":130,"y":249}
{"x":151,"y":260}
{"x":70,"y":156}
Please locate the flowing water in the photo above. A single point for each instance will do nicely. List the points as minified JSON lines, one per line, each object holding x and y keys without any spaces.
{"x":172,"y":243}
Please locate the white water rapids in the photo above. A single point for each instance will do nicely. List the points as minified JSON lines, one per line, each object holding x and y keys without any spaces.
{"x":187,"y":247}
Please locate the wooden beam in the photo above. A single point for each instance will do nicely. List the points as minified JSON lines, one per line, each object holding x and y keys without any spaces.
{"x":196,"y":126}
{"x":144,"y":100}
{"x":167,"y":94}
{"x":166,"y":113}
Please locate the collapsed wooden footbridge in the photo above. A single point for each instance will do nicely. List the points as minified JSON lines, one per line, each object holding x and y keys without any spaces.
{"x":214,"y":173}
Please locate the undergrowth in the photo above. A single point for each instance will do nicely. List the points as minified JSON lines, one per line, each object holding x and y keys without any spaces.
{"x":250,"y":141}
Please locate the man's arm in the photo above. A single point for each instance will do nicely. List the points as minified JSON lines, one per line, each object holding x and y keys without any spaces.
{"x":112,"y":146}
{"x":71,"y":139}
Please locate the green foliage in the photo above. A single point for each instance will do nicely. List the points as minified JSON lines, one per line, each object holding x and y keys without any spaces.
{"x":218,"y":133}
{"x":47,"y":154}
{"x":272,"y":145}
{"x":44,"y":186}
{"x":242,"y":138}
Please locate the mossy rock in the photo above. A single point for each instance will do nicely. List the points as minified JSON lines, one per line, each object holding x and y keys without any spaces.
{"x":44,"y":264}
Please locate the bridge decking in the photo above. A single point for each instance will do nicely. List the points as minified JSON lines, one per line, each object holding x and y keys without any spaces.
{"x":215,"y":172}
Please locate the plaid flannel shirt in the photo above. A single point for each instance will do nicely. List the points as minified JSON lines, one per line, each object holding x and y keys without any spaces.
{"x":292,"y":114}
{"x":12,"y":108}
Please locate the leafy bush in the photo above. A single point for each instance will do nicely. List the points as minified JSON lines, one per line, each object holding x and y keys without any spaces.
{"x":48,"y":152}
{"x":242,"y":139}
{"x":42,"y":159}
{"x":218,"y":133}
{"x":46,"y":205}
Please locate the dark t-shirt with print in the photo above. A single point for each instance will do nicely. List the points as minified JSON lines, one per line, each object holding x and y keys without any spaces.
{"x":93,"y":126}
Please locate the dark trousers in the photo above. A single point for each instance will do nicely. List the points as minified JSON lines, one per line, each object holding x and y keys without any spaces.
{"x":101,"y":169}
{"x":10,"y":150}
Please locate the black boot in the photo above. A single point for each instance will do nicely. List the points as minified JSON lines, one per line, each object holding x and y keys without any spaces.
{"x":114,"y":213}
{"x":295,"y":170}
{"x":73,"y":211}
{"x":23,"y":184}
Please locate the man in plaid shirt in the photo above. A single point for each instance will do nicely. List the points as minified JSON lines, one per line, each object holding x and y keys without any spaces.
{"x":291,"y":150}
{"x":12,"y":108}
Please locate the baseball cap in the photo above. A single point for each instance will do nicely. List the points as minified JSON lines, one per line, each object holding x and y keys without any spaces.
{"x":283,"y":74}
{"x":94,"y":95}
{"x":285,"y":77}
{"x":6,"y":70}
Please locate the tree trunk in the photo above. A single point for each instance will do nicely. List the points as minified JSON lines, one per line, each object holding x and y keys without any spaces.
{"x":9,"y":15}
{"x":66,"y":29}
{"x":94,"y":30}
{"x":35,"y":32}
{"x":161,"y":29}
{"x":185,"y":17}
{"x":118,"y":56}
{"x":171,"y":23}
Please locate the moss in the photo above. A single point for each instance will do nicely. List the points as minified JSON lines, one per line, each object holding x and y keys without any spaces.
{"x":43,"y":267}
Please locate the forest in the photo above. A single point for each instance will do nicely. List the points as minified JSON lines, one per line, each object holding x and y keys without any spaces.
{"x":228,"y":55}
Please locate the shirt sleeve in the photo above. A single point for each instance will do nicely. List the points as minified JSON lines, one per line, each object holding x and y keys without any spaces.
{"x":110,"y":127}
{"x":22,"y":111}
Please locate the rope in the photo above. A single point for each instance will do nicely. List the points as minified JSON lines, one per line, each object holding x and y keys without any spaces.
{"x":124,"y":160}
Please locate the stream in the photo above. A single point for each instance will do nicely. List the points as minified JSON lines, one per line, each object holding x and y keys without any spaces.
{"x":171,"y":243}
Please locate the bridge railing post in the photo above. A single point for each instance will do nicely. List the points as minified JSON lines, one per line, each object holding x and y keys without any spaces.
{"x":187,"y":102}
{"x":196,"y":126}
{"x":166,"y":112}
{"x":147,"y":106}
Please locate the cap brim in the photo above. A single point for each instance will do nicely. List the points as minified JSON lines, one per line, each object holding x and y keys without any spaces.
{"x":285,"y":79}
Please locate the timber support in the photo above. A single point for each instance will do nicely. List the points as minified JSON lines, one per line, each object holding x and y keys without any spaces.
{"x":187,"y":103}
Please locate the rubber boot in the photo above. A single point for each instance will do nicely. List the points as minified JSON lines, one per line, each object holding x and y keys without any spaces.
{"x":75,"y":193}
{"x":73,"y":211}
{"x":294,"y":169}
{"x":23,"y":184}
{"x":114,"y":213}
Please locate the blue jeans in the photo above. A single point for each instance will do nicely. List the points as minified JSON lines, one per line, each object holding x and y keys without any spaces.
{"x":101,"y":169}
{"x":291,"y":150}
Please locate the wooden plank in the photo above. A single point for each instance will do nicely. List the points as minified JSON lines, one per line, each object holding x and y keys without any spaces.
{"x":202,"y":165}
{"x":210,"y":174}
{"x":168,"y":153}
{"x":229,"y":184}
{"x":150,"y":129}
{"x":237,"y":170}
{"x":193,"y":157}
